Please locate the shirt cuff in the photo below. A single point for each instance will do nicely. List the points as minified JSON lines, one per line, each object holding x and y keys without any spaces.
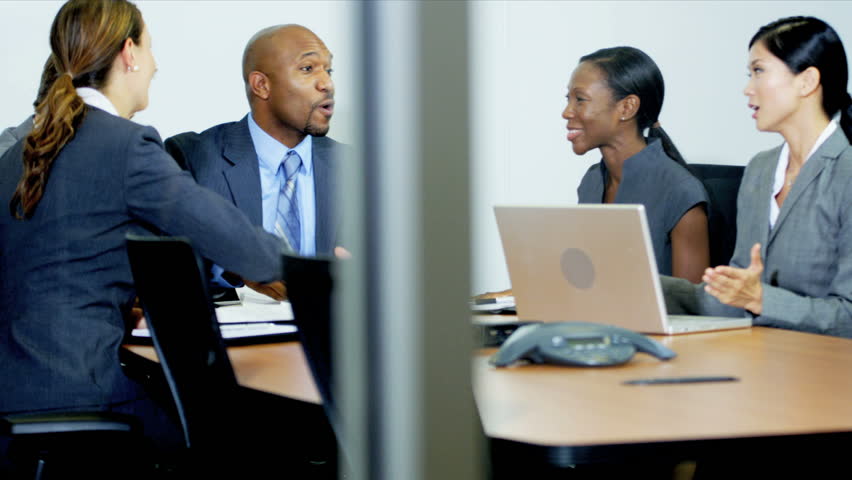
{"x":219,"y":278}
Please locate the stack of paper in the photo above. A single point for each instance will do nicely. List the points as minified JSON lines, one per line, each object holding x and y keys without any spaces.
{"x":255,"y":307}
{"x":256,"y":315}
{"x":504,"y":304}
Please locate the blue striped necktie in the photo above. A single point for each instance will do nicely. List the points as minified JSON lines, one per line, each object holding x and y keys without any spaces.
{"x":287,"y":218}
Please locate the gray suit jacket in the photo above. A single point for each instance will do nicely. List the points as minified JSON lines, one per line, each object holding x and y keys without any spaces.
{"x":65,"y":281}
{"x":11,"y":135}
{"x":223,"y":159}
{"x":807,"y":256}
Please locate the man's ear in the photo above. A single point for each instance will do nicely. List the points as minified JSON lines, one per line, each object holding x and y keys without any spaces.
{"x":628,"y":107}
{"x":259,"y":84}
{"x":809,"y":81}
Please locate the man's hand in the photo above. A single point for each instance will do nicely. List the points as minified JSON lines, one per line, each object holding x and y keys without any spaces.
{"x":136,"y":316}
{"x":274,"y":290}
{"x":277,"y":290}
{"x":738,"y":287}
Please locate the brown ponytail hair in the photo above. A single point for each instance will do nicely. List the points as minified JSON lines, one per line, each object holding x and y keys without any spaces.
{"x":85,"y":38}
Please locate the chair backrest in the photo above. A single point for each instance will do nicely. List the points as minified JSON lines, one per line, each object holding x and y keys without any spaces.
{"x":181,"y":145}
{"x":181,"y":318}
{"x":309,"y":288}
{"x":723,"y":184}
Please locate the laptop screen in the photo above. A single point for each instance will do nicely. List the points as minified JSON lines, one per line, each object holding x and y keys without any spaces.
{"x":589,"y":263}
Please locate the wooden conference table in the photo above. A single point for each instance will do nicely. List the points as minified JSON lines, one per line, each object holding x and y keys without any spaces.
{"x":794,"y":390}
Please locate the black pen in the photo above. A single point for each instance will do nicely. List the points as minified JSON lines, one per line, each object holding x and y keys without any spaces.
{"x":671,"y":380}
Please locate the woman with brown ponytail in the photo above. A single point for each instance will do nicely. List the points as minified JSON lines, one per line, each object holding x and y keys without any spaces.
{"x":83,"y":178}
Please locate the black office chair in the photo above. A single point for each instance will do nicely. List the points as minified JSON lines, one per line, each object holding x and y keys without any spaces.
{"x":70,"y":445}
{"x":226,"y":427}
{"x":181,"y":318}
{"x":723,"y":184}
{"x":309,"y":288}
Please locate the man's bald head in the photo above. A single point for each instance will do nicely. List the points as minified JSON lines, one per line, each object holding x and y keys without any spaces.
{"x":262,"y":52}
{"x":287,"y":73}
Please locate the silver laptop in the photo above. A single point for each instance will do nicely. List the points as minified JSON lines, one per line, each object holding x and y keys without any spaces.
{"x":590,"y":263}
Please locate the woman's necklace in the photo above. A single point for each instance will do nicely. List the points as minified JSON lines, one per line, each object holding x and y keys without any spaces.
{"x":791,"y":180}
{"x":791,"y":175}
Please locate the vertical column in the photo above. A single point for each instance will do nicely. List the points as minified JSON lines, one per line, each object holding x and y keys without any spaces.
{"x":406,"y":374}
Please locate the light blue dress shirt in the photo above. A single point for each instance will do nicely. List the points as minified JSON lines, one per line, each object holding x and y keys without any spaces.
{"x":270,"y":154}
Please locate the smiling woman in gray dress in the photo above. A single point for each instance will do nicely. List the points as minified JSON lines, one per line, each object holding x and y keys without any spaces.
{"x":614,"y":95}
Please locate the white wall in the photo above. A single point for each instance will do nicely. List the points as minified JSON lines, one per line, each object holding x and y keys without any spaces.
{"x":198,"y":46}
{"x":524,"y":53}
{"x":522,"y":56}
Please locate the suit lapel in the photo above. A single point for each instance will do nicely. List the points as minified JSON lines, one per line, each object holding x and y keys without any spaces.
{"x":764,"y":191}
{"x":323,"y":160}
{"x":759,"y":189}
{"x":241,"y":170}
{"x":810,"y":171}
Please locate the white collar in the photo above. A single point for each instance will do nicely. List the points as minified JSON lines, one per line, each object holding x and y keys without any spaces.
{"x":97,"y":99}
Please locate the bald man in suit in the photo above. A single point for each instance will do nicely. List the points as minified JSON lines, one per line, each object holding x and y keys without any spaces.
{"x":287,"y":74}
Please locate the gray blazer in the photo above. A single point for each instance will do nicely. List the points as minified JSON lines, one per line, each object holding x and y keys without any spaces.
{"x":11,"y":135}
{"x":223,"y":159}
{"x":65,"y":281}
{"x":807,"y":256}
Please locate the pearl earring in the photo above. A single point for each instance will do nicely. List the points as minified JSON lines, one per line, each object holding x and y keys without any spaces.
{"x":134,"y":68}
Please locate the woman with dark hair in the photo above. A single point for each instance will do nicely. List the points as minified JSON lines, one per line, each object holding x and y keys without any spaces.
{"x":83,"y":178}
{"x":614,"y":95}
{"x":792,"y":265}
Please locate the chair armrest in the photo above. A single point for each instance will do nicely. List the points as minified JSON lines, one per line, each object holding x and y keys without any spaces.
{"x":67,"y":422}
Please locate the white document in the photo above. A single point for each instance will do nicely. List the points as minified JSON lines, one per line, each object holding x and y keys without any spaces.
{"x":238,"y":330}
{"x":253,"y":316}
{"x":501,"y":304}
{"x":255,"y":307}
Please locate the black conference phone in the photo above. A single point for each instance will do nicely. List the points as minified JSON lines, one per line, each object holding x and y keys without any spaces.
{"x":576,"y":343}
